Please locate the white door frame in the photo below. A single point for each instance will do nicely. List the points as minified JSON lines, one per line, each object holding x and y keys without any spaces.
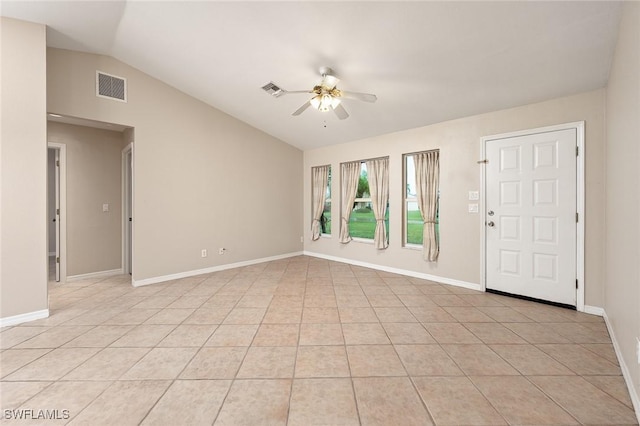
{"x":62,"y":150}
{"x":127,"y":233}
{"x":580,"y":197}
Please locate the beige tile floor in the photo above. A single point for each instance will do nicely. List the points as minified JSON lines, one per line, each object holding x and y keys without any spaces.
{"x":305,"y":341}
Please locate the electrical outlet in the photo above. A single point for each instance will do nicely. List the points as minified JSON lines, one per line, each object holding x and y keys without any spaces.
{"x":221,"y":250}
{"x":203,"y":253}
{"x":473,"y":208}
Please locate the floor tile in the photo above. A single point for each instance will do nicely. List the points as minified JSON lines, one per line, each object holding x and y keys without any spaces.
{"x":456,"y":401}
{"x":479,"y":360}
{"x":389,"y":401}
{"x":374,"y":361}
{"x":108,"y":364}
{"x":13,"y":359}
{"x":384,"y":301}
{"x":232,"y":335}
{"x":614,"y":386}
{"x":268,"y":363}
{"x":520,"y":402}
{"x":468,"y":314}
{"x":536,"y":333}
{"x":407,"y":333}
{"x":504,"y":314}
{"x":160,"y":364}
{"x":145,"y":335}
{"x":99,"y":337}
{"x":450,"y":333}
{"x":580,"y":360}
{"x":395,"y":314}
{"x":188,"y":335}
{"x":605,"y":350}
{"x":321,"y":334}
{"x":245,"y":316}
{"x":189,"y":402}
{"x":215,"y":363}
{"x":530,"y":361}
{"x":494,"y":333}
{"x":427,"y":360}
{"x":53,"y":365}
{"x":282,"y":316}
{"x":353,"y":315}
{"x":71,"y":397}
{"x":256,"y":402}
{"x":133,"y":400}
{"x":13,"y":394}
{"x":320,"y":315}
{"x":321,"y":361}
{"x":276,"y":335}
{"x":584,"y":401}
{"x":170,"y":316}
{"x":132,"y":317}
{"x":364,"y":334}
{"x":17,"y":335}
{"x":322,"y":402}
{"x":54,"y":337}
{"x":428,"y":315}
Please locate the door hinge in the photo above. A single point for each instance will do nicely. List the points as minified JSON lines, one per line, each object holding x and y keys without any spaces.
{"x":57,"y":163}
{"x":57,"y":260}
{"x":577,"y":151}
{"x":58,"y":211}
{"x":577,"y":217}
{"x":576,"y":284}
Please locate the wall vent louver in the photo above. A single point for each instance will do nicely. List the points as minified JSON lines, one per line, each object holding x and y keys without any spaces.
{"x":111,"y":86}
{"x":272,"y":89}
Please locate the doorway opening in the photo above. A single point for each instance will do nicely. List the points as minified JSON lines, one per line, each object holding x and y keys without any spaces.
{"x":127,"y":209}
{"x":56,"y":216}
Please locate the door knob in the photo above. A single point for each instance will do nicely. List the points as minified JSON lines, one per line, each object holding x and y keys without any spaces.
{"x":491,"y":224}
{"x":490,"y":213}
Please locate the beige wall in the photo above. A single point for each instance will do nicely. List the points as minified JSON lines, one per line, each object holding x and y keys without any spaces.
{"x":622,"y":280}
{"x":23,"y":169}
{"x":459,"y":144}
{"x":94,"y":158}
{"x":202,"y":179}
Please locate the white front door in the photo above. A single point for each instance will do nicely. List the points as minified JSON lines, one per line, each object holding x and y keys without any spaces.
{"x":530,"y":190}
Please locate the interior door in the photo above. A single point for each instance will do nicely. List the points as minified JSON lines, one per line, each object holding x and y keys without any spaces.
{"x":531,"y":216}
{"x":57,"y":217}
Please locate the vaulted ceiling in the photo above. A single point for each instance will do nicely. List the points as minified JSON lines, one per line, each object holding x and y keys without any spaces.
{"x":426,"y":61}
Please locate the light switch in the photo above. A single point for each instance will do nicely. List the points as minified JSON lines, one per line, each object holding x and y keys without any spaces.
{"x":473,"y":208}
{"x":474,"y":195}
{"x":105,"y":207}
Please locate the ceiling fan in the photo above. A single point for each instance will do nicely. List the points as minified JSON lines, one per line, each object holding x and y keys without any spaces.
{"x":326,"y":95}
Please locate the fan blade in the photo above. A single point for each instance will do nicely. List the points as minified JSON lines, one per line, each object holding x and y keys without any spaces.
{"x":341,"y":112}
{"x":289,"y":92}
{"x":367,"y":97}
{"x":302,"y":108}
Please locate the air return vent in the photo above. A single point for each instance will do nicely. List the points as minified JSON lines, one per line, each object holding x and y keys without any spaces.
{"x":272,"y":89}
{"x":111,"y":87}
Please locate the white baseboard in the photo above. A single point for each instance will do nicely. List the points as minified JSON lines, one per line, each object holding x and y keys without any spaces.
{"x":414,"y":274}
{"x":19,"y":319}
{"x":98,"y":274}
{"x":593,"y":310}
{"x":163,"y":278}
{"x":635,"y":400}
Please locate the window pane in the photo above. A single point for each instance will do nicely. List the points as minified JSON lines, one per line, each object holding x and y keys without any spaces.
{"x":410,"y":174}
{"x":325,"y":219}
{"x":414,"y":223}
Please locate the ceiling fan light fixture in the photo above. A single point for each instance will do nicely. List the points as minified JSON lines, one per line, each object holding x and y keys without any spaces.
{"x":324,"y":102}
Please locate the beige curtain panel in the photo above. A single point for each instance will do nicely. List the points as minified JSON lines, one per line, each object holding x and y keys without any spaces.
{"x":378,"y":175}
{"x":319,"y":179}
{"x":349,"y":175}
{"x":427,"y":166}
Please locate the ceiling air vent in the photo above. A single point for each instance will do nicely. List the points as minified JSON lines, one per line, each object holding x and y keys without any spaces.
{"x":272,"y":89}
{"x":111,"y":87}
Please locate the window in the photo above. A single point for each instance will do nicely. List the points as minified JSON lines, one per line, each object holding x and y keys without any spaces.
{"x":413,"y":218}
{"x":362,"y":223}
{"x":321,"y":201}
{"x":325,"y":219}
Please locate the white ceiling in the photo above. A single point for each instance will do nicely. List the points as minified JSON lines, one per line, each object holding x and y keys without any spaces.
{"x":426,"y":61}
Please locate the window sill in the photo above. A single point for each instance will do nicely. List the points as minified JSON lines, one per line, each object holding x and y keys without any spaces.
{"x":362,"y":240}
{"x":412,"y":247}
